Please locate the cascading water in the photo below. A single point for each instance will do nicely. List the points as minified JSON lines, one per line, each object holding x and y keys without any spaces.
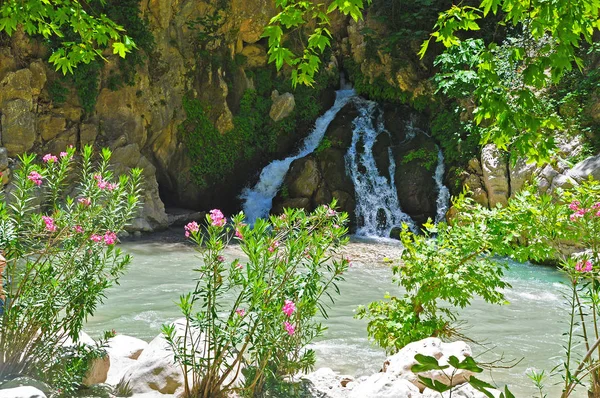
{"x":377,"y":205}
{"x":443,"y":199}
{"x":259,"y":199}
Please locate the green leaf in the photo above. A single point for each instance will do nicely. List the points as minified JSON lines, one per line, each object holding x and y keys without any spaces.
{"x":426,"y":363}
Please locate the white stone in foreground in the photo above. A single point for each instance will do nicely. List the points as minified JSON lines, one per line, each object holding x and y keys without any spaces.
{"x":463,"y":391}
{"x":385,"y":385}
{"x":22,"y":392}
{"x":125,"y":347}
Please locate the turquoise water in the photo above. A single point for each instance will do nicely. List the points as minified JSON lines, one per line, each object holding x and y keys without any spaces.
{"x":530,"y":327}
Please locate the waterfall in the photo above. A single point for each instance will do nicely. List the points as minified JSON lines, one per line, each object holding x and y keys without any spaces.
{"x":377,"y":205}
{"x":259,"y":199}
{"x":443,"y":199}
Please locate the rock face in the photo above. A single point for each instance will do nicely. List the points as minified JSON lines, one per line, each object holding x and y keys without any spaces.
{"x":495,"y":175}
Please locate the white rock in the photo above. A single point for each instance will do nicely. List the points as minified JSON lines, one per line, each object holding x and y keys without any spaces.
{"x":495,"y":175}
{"x":98,"y":368}
{"x":22,"y":392}
{"x":125,"y":347}
{"x":155,"y":372}
{"x":400,"y":364}
{"x":326,"y":383}
{"x":385,"y":385}
{"x":463,"y":391}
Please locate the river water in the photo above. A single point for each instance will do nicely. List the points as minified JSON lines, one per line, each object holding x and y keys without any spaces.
{"x":530,"y":327}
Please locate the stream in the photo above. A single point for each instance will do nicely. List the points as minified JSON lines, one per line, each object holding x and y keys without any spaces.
{"x":530,"y":327}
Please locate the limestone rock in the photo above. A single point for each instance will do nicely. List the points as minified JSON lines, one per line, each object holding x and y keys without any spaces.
{"x":50,"y":126}
{"x":283,"y":105}
{"x":255,"y":54}
{"x":304,"y":178}
{"x":385,"y":385}
{"x":400,"y":364}
{"x":326,"y":383}
{"x":16,"y":85}
{"x":463,"y":391}
{"x":25,"y":381}
{"x":22,"y":392}
{"x":97,"y":371}
{"x":520,"y":173}
{"x":495,"y":175}
{"x":126,"y":346}
{"x":18,"y":126}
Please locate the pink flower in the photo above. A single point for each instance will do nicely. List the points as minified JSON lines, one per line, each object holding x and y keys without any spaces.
{"x":289,"y":328}
{"x":49,"y":158}
{"x":49,"y":223}
{"x":220,"y":259}
{"x":110,"y":238}
{"x":217,"y":218}
{"x":63,"y":154}
{"x":240,"y":266}
{"x":274,"y":246}
{"x":96,"y":238}
{"x":190,"y":228}
{"x":598,"y":213}
{"x":596,"y":206}
{"x":238,"y":234}
{"x":288,"y":308}
{"x":35,"y":177}
{"x":283,"y":216}
{"x":578,"y":214}
{"x":240,"y":311}
{"x":85,"y":201}
{"x":574,"y":205}
{"x":584,"y":266}
{"x":330,"y":211}
{"x":78,"y":228}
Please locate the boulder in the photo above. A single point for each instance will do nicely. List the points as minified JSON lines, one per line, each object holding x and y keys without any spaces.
{"x":326,"y":383}
{"x":303,"y":178}
{"x":400,"y":364}
{"x":18,"y":126}
{"x":255,"y":54}
{"x":126,"y":347}
{"x":495,"y":175}
{"x":98,"y":368}
{"x":25,"y":381}
{"x":282,"y":106}
{"x":22,"y":392}
{"x":385,"y":385}
{"x":520,"y":174}
{"x":462,"y":391}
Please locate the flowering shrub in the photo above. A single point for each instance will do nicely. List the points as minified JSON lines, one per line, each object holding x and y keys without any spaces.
{"x":58,"y":229}
{"x":257,"y":312}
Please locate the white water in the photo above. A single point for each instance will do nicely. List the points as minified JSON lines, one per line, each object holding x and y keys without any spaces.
{"x":259,"y":199}
{"x":377,"y":205}
{"x":443,"y":199}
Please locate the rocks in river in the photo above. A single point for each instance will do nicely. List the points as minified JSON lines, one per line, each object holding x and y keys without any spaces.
{"x":22,"y":392}
{"x":396,"y":378}
{"x":283,"y":105}
{"x":98,"y":367}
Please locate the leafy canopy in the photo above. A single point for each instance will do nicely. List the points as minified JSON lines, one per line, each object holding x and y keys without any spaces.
{"x":60,"y":18}
{"x":515,"y":117}
{"x":294,"y":15}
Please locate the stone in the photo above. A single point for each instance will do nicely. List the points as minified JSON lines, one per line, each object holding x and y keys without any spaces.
{"x":303,"y":178}
{"x":256,"y":55}
{"x":38,"y":77}
{"x":22,"y":392}
{"x":87,"y":134}
{"x":125,"y":346}
{"x":18,"y":126}
{"x":520,"y":174}
{"x":251,"y":30}
{"x":16,"y":85}
{"x":98,"y":368}
{"x":462,"y":391}
{"x":3,"y":158}
{"x":495,"y":175}
{"x":400,"y":364}
{"x":589,"y":167}
{"x":25,"y":381}
{"x":51,"y":126}
{"x":385,"y":385}
{"x":282,"y":107}
{"x":326,"y":383}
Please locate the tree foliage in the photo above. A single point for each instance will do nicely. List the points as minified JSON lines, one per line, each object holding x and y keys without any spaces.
{"x":515,"y":117}
{"x":294,"y":15}
{"x":58,"y":18}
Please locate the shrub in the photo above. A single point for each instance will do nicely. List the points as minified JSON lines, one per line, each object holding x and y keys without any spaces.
{"x":258,"y":311}
{"x":60,"y":255}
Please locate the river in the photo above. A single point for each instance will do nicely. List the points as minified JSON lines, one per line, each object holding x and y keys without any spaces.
{"x":530,"y":327}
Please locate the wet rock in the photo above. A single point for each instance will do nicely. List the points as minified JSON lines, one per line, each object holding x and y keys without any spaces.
{"x":304,"y":178}
{"x":283,"y":105}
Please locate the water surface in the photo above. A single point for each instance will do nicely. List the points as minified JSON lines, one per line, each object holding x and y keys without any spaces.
{"x":530,"y":327}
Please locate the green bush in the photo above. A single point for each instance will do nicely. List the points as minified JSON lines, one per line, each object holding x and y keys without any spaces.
{"x":258,"y":312}
{"x":60,"y":258}
{"x":427,"y":159}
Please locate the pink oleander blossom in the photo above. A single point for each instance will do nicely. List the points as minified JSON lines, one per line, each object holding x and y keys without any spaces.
{"x":63,"y":154}
{"x":191,"y":228}
{"x":35,"y":177}
{"x":240,"y":311}
{"x":238,"y":234}
{"x":49,"y":158}
{"x":110,"y":238}
{"x":578,"y":214}
{"x":84,"y":201}
{"x":574,"y":205}
{"x":49,"y":221}
{"x":274,"y":246}
{"x":239,"y":266}
{"x":289,"y":328}
{"x":78,"y":229}
{"x":220,"y":259}
{"x":330,"y":212}
{"x":584,"y":266}
{"x":96,"y":238}
{"x":288,"y":308}
{"x":596,"y":206}
{"x":217,"y":219}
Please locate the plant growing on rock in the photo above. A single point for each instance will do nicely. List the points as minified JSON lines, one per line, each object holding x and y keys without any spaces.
{"x":58,"y":228}
{"x":256,"y":316}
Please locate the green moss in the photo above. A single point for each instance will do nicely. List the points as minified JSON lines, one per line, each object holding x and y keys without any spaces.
{"x":426,"y":158}
{"x":58,"y":92}
{"x":324,"y":144}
